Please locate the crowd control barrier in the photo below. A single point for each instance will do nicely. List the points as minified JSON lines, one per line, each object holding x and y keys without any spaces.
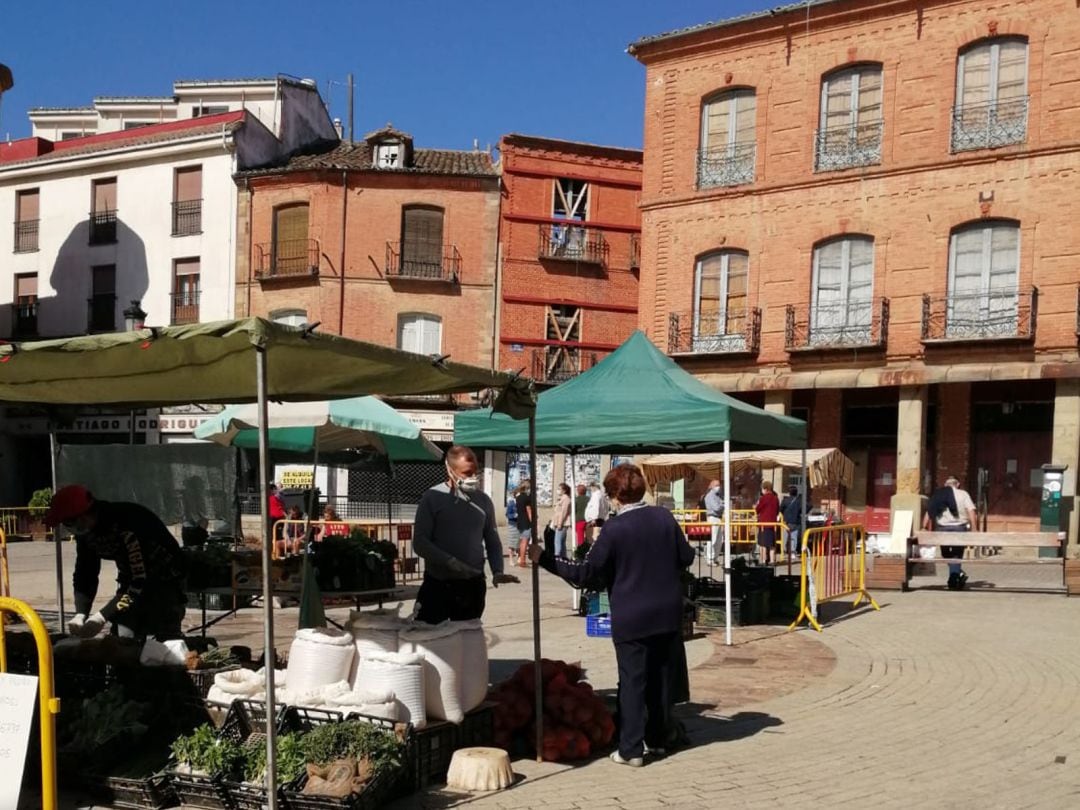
{"x":744,"y":532}
{"x":833,"y":566}
{"x":290,"y":532}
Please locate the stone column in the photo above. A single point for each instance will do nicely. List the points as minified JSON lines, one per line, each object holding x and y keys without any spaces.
{"x":777,"y":402}
{"x":1066,"y":449}
{"x":910,"y":441}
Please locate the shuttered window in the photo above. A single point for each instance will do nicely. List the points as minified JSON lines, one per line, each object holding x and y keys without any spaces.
{"x":721,"y":285}
{"x":27,"y":206}
{"x":994,"y":71}
{"x":984,"y":276}
{"x":26,"y":288}
{"x":843,"y":284}
{"x":421,"y":241}
{"x":187,"y":185}
{"x":104,"y":195}
{"x":420,"y":333}
{"x":290,"y":253}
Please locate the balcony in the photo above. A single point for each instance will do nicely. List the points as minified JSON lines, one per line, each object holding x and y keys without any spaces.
{"x":690,"y":334}
{"x":731,"y":165}
{"x":186,"y":217}
{"x":556,"y":364}
{"x":185,"y":306}
{"x":990,"y":125}
{"x":24,"y":320}
{"x":102,"y":227}
{"x":26,"y":236}
{"x":1001,"y":315}
{"x":837,"y":327}
{"x":421,"y":262}
{"x":289,"y":258}
{"x":635,"y":251}
{"x":573,"y":243}
{"x":101,"y":313}
{"x":848,"y":147}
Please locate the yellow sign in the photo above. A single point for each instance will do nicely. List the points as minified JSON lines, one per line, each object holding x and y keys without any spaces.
{"x":296,"y":479}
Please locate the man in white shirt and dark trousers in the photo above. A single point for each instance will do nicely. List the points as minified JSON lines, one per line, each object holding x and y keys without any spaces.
{"x":714,"y":513}
{"x":950,"y":509}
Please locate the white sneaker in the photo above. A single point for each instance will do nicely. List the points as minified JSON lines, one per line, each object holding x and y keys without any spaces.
{"x":633,"y":762}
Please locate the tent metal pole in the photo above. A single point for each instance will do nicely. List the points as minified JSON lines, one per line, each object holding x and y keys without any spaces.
{"x":727,"y":542}
{"x":58,"y":541}
{"x":269,"y":653}
{"x":575,"y":596}
{"x":539,"y":689}
{"x":805,"y":489}
{"x":390,"y":513}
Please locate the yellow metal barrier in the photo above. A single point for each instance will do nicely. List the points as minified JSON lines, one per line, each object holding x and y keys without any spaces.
{"x":399,"y":533}
{"x":22,"y":520}
{"x":48,"y":703}
{"x":834,"y":565}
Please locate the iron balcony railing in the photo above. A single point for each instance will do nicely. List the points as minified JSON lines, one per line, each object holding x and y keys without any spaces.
{"x":573,"y":243}
{"x":102,"y":227}
{"x":635,"y":251}
{"x":423,"y":262}
{"x":186,"y":217}
{"x":729,"y":165}
{"x":26,"y":236}
{"x":289,"y":258}
{"x":860,"y":324}
{"x":848,"y":146}
{"x":999,"y":315}
{"x":554,"y":364}
{"x":101,"y":313}
{"x":185,"y":306}
{"x":24,"y":320}
{"x":989,"y":125}
{"x":733,"y":332}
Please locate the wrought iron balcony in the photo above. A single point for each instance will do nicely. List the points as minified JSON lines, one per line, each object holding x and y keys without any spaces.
{"x":185,"y":306}
{"x":102,"y":227}
{"x":973,"y":317}
{"x":848,"y":146}
{"x":289,"y":258}
{"x":423,"y":262}
{"x":554,"y":364}
{"x":573,"y":243}
{"x":26,"y":236}
{"x":186,"y":217}
{"x":738,"y":333}
{"x":24,"y":320}
{"x":730,"y":165}
{"x":837,"y":327}
{"x":989,"y":125}
{"x":635,"y":251}
{"x":101,"y":313}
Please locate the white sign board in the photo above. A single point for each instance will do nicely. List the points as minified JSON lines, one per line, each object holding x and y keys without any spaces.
{"x":18,"y":694}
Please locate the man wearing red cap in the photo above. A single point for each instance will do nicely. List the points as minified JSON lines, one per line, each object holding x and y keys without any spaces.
{"x":150,"y":597}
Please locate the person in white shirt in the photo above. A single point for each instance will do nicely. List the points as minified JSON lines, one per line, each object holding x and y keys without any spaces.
{"x":951,"y":509}
{"x":597,"y":510}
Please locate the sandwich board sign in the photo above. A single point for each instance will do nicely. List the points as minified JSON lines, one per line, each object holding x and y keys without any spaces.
{"x":18,"y":694}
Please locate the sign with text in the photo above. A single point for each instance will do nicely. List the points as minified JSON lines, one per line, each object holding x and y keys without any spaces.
{"x":18,"y":694}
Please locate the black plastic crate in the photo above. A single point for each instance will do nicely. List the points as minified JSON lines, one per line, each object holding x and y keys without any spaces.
{"x":405,"y":782}
{"x":373,"y":796}
{"x":152,"y":793}
{"x":429,"y":755}
{"x":200,"y":792}
{"x":478,"y":727}
{"x":243,"y":796}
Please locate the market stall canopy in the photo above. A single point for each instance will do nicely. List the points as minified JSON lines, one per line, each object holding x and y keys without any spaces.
{"x":333,"y":426}
{"x":635,"y":400}
{"x":215,"y":363}
{"x":826,"y":466}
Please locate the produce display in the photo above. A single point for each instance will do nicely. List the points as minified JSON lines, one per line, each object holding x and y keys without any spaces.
{"x":354,"y":563}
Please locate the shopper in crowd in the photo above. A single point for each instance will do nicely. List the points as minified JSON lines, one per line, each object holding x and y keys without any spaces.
{"x":581,"y":502}
{"x":560,"y":521}
{"x":596,"y":511}
{"x":768,"y":511}
{"x":524,"y":524}
{"x":791,"y":511}
{"x":950,"y":509}
{"x":332,"y":525}
{"x":713,"y":501}
{"x":639,"y":558}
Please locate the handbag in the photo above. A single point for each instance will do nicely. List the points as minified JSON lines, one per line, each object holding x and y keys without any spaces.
{"x":549,"y":534}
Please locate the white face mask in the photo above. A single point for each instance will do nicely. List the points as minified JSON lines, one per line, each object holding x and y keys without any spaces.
{"x":470,"y":484}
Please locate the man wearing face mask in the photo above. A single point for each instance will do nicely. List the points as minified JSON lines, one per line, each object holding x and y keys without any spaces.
{"x":454,"y":531}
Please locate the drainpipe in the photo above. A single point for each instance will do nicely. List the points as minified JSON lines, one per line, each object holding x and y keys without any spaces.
{"x":250,"y":269}
{"x":496,"y":283}
{"x":344,"y":231}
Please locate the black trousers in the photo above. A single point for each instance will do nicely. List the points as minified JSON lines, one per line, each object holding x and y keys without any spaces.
{"x":644,"y":692}
{"x":455,"y":599}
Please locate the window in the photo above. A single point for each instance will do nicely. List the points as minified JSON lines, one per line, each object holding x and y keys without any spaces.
{"x":559,"y":362}
{"x":422,"y":242}
{"x":720,"y":301}
{"x":201,"y":111}
{"x":290,"y":254}
{"x":841,"y":309}
{"x":420,"y":333}
{"x":27,"y":212}
{"x":187,"y":201}
{"x":185,"y":295}
{"x":991,"y":95}
{"x":571,"y":200}
{"x":289,"y":317}
{"x":984,"y":275}
{"x":102,"y":315}
{"x":103,"y":211}
{"x":136,"y":124}
{"x":67,"y":136}
{"x":24,"y":323}
{"x":388,"y":155}
{"x":728,"y":139}
{"x":850,"y":125}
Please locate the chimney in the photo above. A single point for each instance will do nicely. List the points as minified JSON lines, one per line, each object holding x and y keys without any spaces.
{"x":337,"y":127}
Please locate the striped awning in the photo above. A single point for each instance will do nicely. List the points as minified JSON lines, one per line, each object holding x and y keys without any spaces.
{"x":827,"y":465}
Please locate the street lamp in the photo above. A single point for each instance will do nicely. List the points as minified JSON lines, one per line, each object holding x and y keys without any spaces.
{"x":134,"y":317}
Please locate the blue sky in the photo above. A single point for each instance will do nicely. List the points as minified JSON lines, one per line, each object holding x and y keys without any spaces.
{"x":446,"y":71}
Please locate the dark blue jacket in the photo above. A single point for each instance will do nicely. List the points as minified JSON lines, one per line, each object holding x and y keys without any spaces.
{"x":639,"y":555}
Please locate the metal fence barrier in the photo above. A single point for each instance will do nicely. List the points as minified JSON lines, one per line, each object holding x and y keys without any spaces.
{"x":833,"y":566}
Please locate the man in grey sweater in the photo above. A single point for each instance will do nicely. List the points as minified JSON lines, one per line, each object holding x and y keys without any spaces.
{"x":454,"y":531}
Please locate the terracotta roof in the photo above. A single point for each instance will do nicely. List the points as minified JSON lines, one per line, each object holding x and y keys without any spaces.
{"x":559,"y":143}
{"x":357,"y":156}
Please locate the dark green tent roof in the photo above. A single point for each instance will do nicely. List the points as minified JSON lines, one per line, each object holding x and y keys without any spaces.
{"x":636,"y":400}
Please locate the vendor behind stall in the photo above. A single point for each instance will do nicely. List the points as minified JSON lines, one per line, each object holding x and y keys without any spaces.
{"x":150,"y":598}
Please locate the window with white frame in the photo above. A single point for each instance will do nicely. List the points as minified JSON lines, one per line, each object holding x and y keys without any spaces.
{"x":991,"y":95}
{"x":841,"y":310}
{"x":984,"y":275}
{"x":850,"y":124}
{"x":720,"y":301}
{"x":728,"y":139}
{"x":388,"y":155}
{"x":420,"y":333}
{"x":571,"y":199}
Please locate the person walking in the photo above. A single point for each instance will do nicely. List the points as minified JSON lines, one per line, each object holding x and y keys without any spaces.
{"x":596,"y":511}
{"x":950,"y":509}
{"x":581,"y":502}
{"x":768,"y":510}
{"x":560,"y":521}
{"x":524,"y":520}
{"x":714,"y":513}
{"x":791,"y":511}
{"x":639,"y":557}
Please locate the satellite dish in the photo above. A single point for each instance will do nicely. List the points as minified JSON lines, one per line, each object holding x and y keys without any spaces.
{"x":6,"y":80}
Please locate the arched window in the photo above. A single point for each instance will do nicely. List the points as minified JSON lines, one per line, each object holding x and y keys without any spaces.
{"x":292,"y":250}
{"x":841,"y":310}
{"x":991,"y":95}
{"x":420,"y":332}
{"x":728,"y":139}
{"x":984,"y":279}
{"x":720,"y":301}
{"x":850,"y":124}
{"x":422,"y":241}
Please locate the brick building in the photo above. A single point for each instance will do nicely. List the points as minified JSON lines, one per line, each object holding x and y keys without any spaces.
{"x":864,"y":214}
{"x":569,"y":251}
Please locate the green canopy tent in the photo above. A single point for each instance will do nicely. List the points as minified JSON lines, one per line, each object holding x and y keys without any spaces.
{"x":236,"y":361}
{"x":638,"y":400}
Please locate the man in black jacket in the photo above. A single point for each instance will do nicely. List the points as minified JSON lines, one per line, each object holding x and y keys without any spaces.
{"x":150,"y":597}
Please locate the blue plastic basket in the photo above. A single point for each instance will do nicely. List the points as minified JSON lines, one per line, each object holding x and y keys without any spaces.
{"x":598,"y":626}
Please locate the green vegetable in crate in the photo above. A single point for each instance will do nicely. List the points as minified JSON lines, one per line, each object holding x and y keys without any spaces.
{"x":204,"y":752}
{"x":290,"y":759}
{"x":218,"y":657}
{"x":89,"y":726}
{"x":353,"y":738}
